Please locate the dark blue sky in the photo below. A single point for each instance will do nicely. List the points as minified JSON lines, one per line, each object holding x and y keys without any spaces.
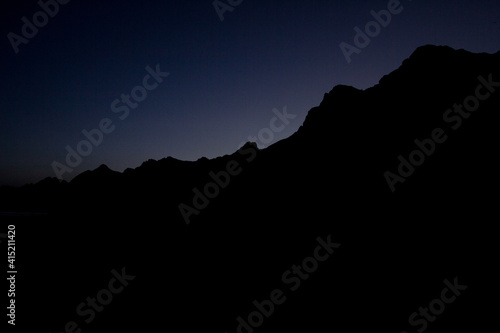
{"x":225,"y":77}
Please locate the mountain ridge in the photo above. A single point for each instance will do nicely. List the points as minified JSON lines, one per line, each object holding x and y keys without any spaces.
{"x":218,"y":238}
{"x":422,"y":53}
{"x":413,"y":99}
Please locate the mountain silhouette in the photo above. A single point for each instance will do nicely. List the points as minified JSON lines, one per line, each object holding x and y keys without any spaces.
{"x":351,"y":129}
{"x":402,"y":175}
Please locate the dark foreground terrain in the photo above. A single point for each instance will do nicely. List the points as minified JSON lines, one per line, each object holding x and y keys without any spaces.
{"x":381,"y":208}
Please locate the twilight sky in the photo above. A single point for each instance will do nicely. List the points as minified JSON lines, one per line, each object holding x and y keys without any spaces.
{"x":82,"y":70}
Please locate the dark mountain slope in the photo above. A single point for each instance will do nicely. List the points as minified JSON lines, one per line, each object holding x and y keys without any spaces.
{"x":326,"y":179}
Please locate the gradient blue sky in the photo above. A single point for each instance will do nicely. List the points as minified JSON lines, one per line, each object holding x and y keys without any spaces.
{"x":225,"y":77}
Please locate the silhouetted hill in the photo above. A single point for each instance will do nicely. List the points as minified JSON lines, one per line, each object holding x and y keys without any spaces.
{"x":379,"y":123}
{"x":96,"y":177}
{"x":255,"y":213}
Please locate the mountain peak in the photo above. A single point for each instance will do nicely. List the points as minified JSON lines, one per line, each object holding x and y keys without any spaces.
{"x":340,"y":91}
{"x":249,"y":144}
{"x":429,"y":61}
{"x":432,"y":50}
{"x":102,"y":172}
{"x":50,"y":181}
{"x":103,"y":167}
